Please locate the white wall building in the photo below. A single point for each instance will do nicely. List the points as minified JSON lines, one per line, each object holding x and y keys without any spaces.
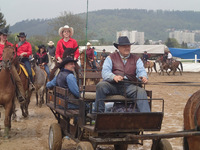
{"x":134,"y":36}
{"x":183,"y":36}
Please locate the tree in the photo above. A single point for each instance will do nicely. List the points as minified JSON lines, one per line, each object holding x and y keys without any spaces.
{"x":171,"y":42}
{"x":71,"y":20}
{"x":184,"y":45}
{"x":146,"y":42}
{"x":3,"y":22}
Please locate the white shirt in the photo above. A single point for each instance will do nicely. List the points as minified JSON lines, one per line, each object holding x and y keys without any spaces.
{"x":169,"y":56}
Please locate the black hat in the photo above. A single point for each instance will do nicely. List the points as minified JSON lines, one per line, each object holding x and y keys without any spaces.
{"x":4,"y":31}
{"x":122,"y":40}
{"x":21,"y":34}
{"x":66,"y":60}
{"x":42,"y":46}
{"x":104,"y":50}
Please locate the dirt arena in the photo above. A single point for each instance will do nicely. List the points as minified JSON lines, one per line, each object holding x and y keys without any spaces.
{"x":32,"y":133}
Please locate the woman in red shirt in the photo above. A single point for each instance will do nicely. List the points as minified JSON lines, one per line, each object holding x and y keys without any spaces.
{"x":67,"y":41}
{"x":3,"y":41}
{"x":24,"y":50}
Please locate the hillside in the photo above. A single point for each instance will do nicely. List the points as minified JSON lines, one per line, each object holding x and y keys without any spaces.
{"x":104,"y":24}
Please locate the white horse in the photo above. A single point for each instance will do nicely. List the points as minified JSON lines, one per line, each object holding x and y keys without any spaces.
{"x":52,"y":61}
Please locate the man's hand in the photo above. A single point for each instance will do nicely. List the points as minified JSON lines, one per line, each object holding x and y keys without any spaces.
{"x":144,"y":79}
{"x":22,"y":54}
{"x":118,"y":78}
{"x":59,"y":60}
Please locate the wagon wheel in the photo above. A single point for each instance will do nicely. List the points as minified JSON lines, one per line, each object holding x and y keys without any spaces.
{"x":84,"y":146}
{"x":55,"y":137}
{"x":162,"y":145}
{"x":121,"y":146}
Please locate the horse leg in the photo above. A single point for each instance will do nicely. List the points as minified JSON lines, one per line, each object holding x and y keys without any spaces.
{"x":36,"y":94}
{"x":14,"y":115}
{"x":7,"y":120}
{"x":180,"y":71}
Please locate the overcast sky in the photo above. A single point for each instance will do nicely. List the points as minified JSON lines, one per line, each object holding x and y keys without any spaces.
{"x":18,"y":10}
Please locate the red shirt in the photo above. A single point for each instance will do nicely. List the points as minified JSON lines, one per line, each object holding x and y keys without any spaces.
{"x":90,"y":53}
{"x":2,"y":47}
{"x":26,"y":47}
{"x":71,"y":43}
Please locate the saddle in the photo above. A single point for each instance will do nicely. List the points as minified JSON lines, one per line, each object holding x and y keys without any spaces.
{"x":22,"y":68}
{"x":42,"y":67}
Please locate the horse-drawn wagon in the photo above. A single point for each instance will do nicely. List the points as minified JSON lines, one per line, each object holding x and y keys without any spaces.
{"x":90,"y":130}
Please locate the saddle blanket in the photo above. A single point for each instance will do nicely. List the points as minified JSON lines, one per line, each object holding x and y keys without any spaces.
{"x":25,"y":71}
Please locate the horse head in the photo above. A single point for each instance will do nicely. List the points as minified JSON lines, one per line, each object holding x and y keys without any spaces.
{"x":8,"y":56}
{"x":69,"y":51}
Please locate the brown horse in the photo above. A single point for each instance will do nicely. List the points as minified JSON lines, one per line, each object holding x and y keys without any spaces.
{"x":88,"y":68}
{"x":7,"y":86}
{"x":150,"y":65}
{"x":192,"y":121}
{"x":102,"y":59}
{"x":173,"y":66}
{"x":25,"y":82}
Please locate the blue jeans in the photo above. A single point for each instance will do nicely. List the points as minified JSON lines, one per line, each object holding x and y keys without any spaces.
{"x":28,"y":67}
{"x":47,"y":70}
{"x":129,"y":90}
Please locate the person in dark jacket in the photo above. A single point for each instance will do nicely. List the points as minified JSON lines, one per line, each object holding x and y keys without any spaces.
{"x":51,"y":48}
{"x":118,"y":67}
{"x":42,"y":58}
{"x":66,"y":79}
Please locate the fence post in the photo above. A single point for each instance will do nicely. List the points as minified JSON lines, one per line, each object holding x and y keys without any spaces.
{"x":195,"y":58}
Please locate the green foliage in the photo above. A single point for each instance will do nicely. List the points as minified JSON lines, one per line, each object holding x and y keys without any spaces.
{"x":71,"y":20}
{"x":171,"y":42}
{"x":104,"y":24}
{"x":184,"y":45}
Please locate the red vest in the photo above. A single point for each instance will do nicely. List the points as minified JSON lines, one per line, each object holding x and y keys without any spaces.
{"x":128,"y":70}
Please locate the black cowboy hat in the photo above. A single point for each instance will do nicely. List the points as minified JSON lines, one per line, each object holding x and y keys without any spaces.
{"x":66,"y":60}
{"x":122,"y":40}
{"x":42,"y":46}
{"x":4,"y":31}
{"x":21,"y":34}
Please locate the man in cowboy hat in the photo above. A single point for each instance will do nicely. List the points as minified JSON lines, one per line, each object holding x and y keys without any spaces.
{"x":145,"y":57}
{"x":121,"y":66}
{"x":51,"y":48}
{"x":90,"y":55}
{"x":66,"y":78}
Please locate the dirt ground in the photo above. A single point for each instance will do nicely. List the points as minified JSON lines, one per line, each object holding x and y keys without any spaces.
{"x":32,"y":133}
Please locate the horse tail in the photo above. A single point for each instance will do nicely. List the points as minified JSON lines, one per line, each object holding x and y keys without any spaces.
{"x":181,"y":66}
{"x":154,"y":65}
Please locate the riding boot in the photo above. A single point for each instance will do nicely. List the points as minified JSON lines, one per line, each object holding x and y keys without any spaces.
{"x":19,"y":87}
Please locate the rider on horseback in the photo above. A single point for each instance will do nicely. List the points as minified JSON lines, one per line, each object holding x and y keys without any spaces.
{"x":20,"y":90}
{"x":42,"y":59}
{"x":145,"y":57}
{"x":66,"y":33}
{"x":104,"y":55}
{"x":169,"y":58}
{"x":24,"y":50}
{"x":90,"y":55}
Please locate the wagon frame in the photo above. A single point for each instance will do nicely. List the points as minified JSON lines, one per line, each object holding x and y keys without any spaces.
{"x":119,"y":129}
